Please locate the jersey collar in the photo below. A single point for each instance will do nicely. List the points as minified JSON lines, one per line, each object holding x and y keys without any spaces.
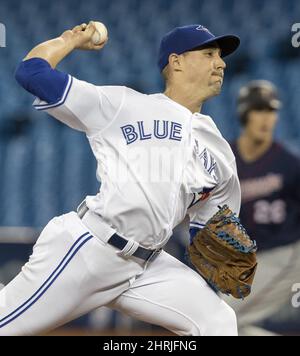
{"x":179,"y":106}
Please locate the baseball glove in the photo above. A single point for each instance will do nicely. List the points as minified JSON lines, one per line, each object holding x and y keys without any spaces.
{"x":224,"y":255}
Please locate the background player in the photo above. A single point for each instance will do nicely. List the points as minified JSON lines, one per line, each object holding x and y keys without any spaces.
{"x":110,"y":253}
{"x":269,"y":176}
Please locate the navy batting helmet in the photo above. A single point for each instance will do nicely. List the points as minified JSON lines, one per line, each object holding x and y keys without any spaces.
{"x":257,"y":95}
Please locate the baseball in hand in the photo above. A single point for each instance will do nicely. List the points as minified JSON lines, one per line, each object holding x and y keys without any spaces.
{"x":100,"y":35}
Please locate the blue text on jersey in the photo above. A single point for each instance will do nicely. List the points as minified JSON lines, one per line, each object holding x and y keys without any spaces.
{"x":161,"y":130}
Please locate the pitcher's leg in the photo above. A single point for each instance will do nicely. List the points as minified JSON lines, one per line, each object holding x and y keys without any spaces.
{"x":48,"y":287}
{"x":69,"y":273}
{"x":175,"y":297}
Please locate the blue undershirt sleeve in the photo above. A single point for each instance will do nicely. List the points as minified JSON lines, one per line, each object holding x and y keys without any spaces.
{"x":37,"y":77}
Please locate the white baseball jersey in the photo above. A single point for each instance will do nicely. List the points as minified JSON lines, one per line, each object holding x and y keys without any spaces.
{"x":156,"y":160}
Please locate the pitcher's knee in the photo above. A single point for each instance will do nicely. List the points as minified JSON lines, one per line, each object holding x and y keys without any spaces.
{"x":223,"y":322}
{"x":230,"y":327}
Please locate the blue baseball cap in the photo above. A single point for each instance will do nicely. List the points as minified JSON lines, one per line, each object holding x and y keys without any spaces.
{"x":187,"y":38}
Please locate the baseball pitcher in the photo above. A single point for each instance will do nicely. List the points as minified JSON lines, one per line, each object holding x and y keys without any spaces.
{"x":159,"y":159}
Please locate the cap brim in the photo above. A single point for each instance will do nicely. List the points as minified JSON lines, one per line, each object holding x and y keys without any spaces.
{"x":228,"y":44}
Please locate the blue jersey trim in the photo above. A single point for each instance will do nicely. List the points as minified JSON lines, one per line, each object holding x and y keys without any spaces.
{"x":47,"y":284}
{"x":61,"y":101}
{"x":192,"y":203}
{"x":193,"y":232}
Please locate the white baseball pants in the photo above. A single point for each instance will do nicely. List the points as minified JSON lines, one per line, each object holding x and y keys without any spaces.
{"x":72,"y":272}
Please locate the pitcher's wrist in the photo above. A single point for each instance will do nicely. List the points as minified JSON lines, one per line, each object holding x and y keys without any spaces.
{"x":69,"y":40}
